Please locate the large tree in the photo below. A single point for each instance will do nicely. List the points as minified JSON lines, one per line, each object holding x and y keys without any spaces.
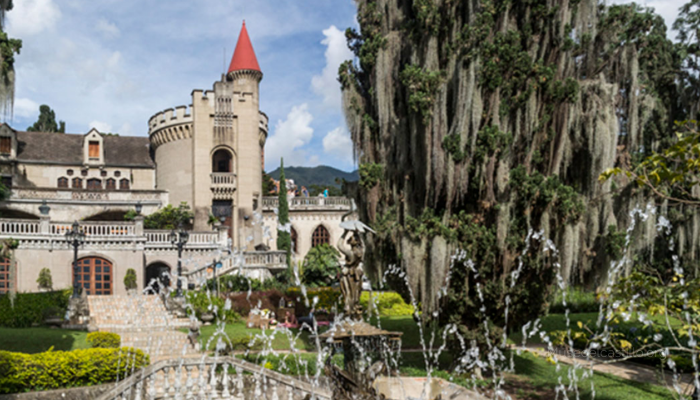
{"x":47,"y":121}
{"x":478,"y":121}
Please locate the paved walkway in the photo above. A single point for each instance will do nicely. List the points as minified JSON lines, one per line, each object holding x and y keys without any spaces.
{"x":626,"y":370}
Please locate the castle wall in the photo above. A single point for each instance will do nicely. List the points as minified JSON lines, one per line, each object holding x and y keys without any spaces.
{"x":174,"y":170}
{"x":202,"y":110}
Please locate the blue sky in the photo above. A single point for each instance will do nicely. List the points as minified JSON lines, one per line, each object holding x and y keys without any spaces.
{"x":111,"y":64}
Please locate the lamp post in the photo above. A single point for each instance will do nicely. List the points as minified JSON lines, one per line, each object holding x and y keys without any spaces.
{"x":138,"y":207}
{"x":75,"y":237}
{"x":179,"y":238}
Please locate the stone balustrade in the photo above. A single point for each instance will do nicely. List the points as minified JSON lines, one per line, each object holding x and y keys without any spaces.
{"x":316,"y":203}
{"x":272,"y":261}
{"x":80,"y":195}
{"x":211,"y":377}
{"x":19,"y":227}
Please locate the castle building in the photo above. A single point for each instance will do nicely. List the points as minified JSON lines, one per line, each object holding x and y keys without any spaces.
{"x":209,"y":155}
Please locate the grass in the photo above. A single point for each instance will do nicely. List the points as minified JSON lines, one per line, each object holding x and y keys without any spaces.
{"x":37,"y":340}
{"x":272,"y":338}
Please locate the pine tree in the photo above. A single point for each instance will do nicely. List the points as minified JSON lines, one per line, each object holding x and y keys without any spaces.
{"x":47,"y":121}
{"x":284,"y":238}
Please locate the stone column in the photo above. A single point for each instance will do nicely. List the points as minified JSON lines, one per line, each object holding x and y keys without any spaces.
{"x":138,"y":225}
{"x":44,"y":224}
{"x":223,"y":234}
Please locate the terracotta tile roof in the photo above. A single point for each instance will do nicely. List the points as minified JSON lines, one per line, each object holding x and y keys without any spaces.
{"x":64,"y":148}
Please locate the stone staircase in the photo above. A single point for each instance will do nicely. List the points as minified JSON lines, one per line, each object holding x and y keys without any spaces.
{"x":143,"y":322}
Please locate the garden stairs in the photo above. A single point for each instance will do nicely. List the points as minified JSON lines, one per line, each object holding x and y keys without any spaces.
{"x":143,"y":322}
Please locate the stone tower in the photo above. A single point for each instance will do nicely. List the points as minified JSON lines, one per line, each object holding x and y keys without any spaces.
{"x":227,"y":134}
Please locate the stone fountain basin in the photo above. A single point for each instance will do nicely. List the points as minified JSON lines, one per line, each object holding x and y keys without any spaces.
{"x":403,"y":388}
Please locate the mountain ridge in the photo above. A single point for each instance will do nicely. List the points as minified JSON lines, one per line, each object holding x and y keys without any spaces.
{"x":322,"y":175}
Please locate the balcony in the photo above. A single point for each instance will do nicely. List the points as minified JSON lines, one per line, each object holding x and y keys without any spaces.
{"x":223,"y":185}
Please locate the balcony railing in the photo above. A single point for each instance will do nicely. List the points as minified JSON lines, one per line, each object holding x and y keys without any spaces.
{"x":66,"y":194}
{"x":312,"y":203}
{"x":223,"y":185}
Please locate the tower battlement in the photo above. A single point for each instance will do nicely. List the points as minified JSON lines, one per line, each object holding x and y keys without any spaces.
{"x":170,"y":125}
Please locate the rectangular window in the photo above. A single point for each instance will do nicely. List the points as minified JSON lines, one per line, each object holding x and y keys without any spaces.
{"x":94,"y":149}
{"x":5,"y":145}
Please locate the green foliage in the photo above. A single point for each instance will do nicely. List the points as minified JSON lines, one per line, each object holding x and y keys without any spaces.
{"x":328,"y":298}
{"x":28,"y":308}
{"x":240,"y":283}
{"x":386,"y":304}
{"x":267,"y":184}
{"x":284,"y":237}
{"x":427,"y":15}
{"x":202,"y":302}
{"x":130,"y":279}
{"x":47,"y":121}
{"x":8,"y":48}
{"x":61,"y":369}
{"x":370,"y":174}
{"x":366,"y":43}
{"x":168,"y":217}
{"x":491,"y":140}
{"x":315,"y":190}
{"x":577,"y":301}
{"x":44,"y":280}
{"x":321,"y":266}
{"x":422,"y":86}
{"x":104,"y":340}
{"x":615,"y":242}
{"x":537,"y":191}
{"x":452,"y":145}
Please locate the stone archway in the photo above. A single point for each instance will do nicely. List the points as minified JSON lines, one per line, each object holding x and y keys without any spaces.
{"x":157,"y":277}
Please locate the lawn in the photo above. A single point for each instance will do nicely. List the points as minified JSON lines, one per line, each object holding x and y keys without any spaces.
{"x":37,"y":340}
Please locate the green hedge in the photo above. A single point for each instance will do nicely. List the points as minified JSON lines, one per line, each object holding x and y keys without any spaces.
{"x":29,"y":308}
{"x":21,"y":372}
{"x":388,"y":304}
{"x":104,"y":340}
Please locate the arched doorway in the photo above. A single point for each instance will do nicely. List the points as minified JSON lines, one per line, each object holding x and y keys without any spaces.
{"x":222,"y":161}
{"x":95,"y":275}
{"x":157,"y":277}
{"x":295,"y":240}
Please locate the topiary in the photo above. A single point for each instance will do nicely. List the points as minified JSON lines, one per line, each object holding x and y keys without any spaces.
{"x":321,"y":266}
{"x":104,"y":340}
{"x":44,"y":280}
{"x":130,"y":279}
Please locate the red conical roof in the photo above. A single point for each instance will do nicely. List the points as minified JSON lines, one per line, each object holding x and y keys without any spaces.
{"x":244,"y":55}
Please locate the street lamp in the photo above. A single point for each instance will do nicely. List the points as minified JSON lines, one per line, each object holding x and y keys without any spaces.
{"x":179,"y":238}
{"x":138,"y":207}
{"x":75,"y":237}
{"x":44,"y":208}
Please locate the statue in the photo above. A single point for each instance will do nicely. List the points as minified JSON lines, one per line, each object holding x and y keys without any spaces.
{"x":351,"y":272}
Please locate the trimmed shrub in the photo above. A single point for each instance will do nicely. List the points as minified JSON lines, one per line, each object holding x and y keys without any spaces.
{"x":28,"y":309}
{"x":21,"y":372}
{"x":321,"y":266}
{"x":201,"y":302}
{"x":130,"y":279}
{"x":104,"y":340}
{"x":44,"y":280}
{"x":388,"y":304}
{"x":242,"y":303}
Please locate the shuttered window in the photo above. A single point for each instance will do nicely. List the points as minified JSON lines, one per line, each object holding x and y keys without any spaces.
{"x":62,"y":182}
{"x":111,"y":184}
{"x":5,"y":145}
{"x":94,"y":149}
{"x":124,"y":184}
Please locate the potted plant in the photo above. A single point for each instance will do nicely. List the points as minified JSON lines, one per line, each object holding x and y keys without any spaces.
{"x":53,"y":316}
{"x":44,"y":281}
{"x":130,"y":281}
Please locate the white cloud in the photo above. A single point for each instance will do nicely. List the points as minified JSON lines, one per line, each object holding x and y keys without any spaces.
{"x":30,"y":17}
{"x":290,"y":135}
{"x":337,"y":143}
{"x":26,"y":108}
{"x":337,"y":51}
{"x":102,"y":127}
{"x":109,"y":29}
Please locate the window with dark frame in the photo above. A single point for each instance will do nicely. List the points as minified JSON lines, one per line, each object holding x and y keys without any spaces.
{"x":69,"y":172}
{"x":320,"y":236}
{"x":124,"y":184}
{"x":77,"y":183}
{"x":5,"y":276}
{"x":295,"y":247}
{"x":95,"y":275}
{"x":111,"y":184}
{"x":94,"y":184}
{"x":63,"y":182}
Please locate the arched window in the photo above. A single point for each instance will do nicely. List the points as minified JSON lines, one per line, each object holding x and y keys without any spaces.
{"x":77,"y":183}
{"x":124,"y":184}
{"x":111,"y":184}
{"x":5,"y":281}
{"x":95,"y":275}
{"x":295,"y":247}
{"x":94,"y":184}
{"x":63,"y":182}
{"x":222,"y":161}
{"x":320,"y":236}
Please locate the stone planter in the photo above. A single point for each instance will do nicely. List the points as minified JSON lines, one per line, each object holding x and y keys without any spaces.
{"x":207,"y":318}
{"x":53,"y":321}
